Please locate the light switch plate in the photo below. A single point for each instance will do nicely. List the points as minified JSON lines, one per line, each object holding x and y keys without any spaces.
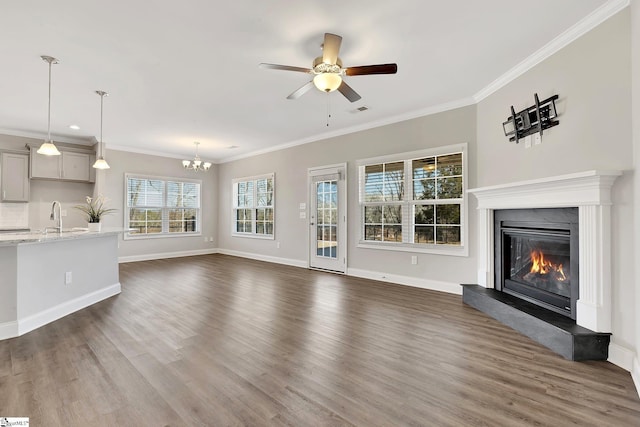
{"x":303,"y":206}
{"x":303,"y":215}
{"x":537,"y":139}
{"x":527,"y":141}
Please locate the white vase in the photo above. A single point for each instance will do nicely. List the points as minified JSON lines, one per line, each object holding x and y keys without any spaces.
{"x":94,"y":226}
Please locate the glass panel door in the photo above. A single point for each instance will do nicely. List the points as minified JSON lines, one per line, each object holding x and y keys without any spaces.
{"x":327,"y":218}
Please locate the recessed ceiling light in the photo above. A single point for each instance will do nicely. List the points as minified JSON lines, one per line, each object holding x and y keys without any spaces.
{"x":74,"y":127}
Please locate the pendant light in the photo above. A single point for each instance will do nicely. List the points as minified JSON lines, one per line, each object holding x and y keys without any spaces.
{"x":196,"y":164}
{"x":101,"y":163}
{"x":48,"y":148}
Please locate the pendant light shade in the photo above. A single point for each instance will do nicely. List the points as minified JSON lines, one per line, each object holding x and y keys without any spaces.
{"x":101,"y":163}
{"x":48,"y":148}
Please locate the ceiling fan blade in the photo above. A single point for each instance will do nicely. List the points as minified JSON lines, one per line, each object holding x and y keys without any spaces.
{"x":348,"y":92}
{"x":284,"y":67}
{"x":331,"y":48}
{"x":299,"y":92}
{"x":372,"y":69}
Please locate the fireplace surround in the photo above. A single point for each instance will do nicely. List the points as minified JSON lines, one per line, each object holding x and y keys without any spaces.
{"x":590,"y":193}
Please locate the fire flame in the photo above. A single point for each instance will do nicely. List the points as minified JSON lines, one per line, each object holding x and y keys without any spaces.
{"x":542,"y":266}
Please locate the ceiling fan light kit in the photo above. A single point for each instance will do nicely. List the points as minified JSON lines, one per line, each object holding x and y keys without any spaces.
{"x":328,"y":71}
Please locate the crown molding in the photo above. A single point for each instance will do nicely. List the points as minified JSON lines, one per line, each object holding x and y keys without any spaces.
{"x":42,"y":136}
{"x":359,"y":128}
{"x":585,"y":25}
{"x":114,"y":147}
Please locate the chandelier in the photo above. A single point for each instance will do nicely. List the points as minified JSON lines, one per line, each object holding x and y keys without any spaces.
{"x":196,"y":164}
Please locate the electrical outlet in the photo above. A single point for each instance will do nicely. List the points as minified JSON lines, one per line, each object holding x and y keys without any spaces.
{"x":67,"y":278}
{"x":63,"y":212}
{"x":414,"y":259}
{"x":527,"y":141}
{"x":277,"y":245}
{"x":211,"y":238}
{"x":303,"y":214}
{"x":537,"y":139}
{"x":303,"y":206}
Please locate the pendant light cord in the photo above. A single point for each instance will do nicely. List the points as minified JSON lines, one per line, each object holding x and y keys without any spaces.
{"x":101,"y":109}
{"x":49,"y":107}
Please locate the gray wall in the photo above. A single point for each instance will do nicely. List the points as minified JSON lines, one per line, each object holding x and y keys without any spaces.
{"x":113,"y":187}
{"x":635,"y":84}
{"x":592,"y":76}
{"x":290,"y":167}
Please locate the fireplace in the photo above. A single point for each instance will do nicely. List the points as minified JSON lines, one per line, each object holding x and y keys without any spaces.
{"x":536,"y":257}
{"x":579,"y":236}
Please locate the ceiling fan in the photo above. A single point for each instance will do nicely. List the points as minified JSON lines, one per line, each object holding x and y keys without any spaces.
{"x":328,"y":71}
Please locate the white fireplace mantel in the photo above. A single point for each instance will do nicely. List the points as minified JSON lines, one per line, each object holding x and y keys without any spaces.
{"x":590,"y":192}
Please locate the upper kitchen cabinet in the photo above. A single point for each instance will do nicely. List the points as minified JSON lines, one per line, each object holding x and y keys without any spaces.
{"x":71,"y":165}
{"x":14,"y":177}
{"x":75,"y":166}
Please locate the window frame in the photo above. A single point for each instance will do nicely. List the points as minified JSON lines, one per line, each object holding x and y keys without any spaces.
{"x":407,"y":203}
{"x":164,"y":209}
{"x":254,"y":207}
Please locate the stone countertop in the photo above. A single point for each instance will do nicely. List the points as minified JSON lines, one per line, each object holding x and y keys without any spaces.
{"x":10,"y":239}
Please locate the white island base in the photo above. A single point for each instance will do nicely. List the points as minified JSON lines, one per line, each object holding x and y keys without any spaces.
{"x":42,"y":280}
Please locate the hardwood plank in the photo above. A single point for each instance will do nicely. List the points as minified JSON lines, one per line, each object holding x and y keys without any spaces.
{"x":219,"y":340}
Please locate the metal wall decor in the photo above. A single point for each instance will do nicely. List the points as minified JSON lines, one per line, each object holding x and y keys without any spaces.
{"x":534,"y":119}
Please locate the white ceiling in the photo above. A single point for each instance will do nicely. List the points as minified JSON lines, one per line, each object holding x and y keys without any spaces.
{"x":179,"y":72}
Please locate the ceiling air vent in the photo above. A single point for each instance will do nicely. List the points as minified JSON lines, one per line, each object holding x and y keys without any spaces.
{"x":360,"y":109}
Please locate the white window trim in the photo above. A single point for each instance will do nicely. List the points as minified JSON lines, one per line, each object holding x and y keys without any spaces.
{"x":463,"y":249}
{"x":129,"y":236}
{"x":234,"y":206}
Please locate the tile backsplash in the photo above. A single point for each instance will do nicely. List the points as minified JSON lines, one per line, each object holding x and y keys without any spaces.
{"x":14,"y":215}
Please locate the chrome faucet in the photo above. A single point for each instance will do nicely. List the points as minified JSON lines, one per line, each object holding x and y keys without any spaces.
{"x":53,"y":216}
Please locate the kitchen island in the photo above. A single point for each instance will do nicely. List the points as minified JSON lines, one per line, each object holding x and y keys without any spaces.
{"x":44,"y":277}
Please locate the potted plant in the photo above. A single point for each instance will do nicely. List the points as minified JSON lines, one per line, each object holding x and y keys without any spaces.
{"x":95,"y":208}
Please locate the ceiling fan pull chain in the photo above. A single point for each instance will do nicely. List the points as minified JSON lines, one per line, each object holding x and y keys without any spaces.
{"x":328,"y":110}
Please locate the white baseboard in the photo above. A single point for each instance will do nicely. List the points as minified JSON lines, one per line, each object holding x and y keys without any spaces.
{"x":267,"y":258}
{"x":635,"y":374}
{"x":621,"y":356}
{"x":37,"y":320}
{"x":8,"y":330}
{"x":163,"y":255}
{"x":434,"y":285}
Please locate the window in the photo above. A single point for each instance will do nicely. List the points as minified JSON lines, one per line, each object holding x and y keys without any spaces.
{"x":161,"y":207}
{"x":415,"y":201}
{"x":253,"y":206}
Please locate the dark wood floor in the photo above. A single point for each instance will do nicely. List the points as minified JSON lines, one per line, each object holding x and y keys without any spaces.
{"x":217,"y":340}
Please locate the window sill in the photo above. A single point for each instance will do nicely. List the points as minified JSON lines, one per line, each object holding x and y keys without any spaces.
{"x":461,"y":251}
{"x":254,"y":236}
{"x":128,"y":236}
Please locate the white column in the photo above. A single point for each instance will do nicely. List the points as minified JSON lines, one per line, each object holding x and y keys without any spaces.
{"x":594,"y":304}
{"x":485,"y":248}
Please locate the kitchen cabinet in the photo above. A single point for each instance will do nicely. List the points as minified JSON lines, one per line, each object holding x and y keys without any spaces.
{"x":14,"y":177}
{"x":42,"y":166}
{"x":75,"y":166}
{"x":70,"y":165}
